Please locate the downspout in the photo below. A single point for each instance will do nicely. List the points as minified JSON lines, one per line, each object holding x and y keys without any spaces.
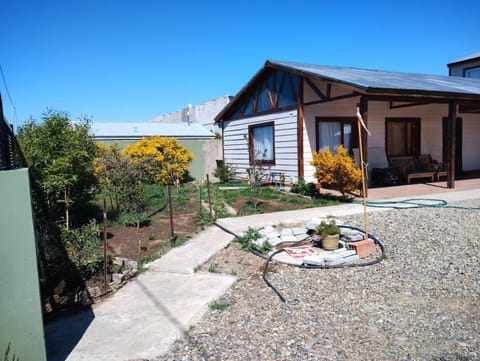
{"x":451,"y":125}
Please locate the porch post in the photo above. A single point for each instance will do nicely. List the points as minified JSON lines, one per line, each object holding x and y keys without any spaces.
{"x":451,"y":126}
{"x":364,"y":113}
{"x":300,"y":118}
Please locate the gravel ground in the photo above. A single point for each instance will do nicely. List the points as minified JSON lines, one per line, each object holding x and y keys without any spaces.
{"x":421,"y":303}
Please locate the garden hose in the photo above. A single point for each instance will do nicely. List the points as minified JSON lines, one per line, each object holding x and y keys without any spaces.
{"x":347,"y":265}
{"x":416,"y":203}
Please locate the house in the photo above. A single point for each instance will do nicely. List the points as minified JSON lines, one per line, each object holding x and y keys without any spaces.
{"x":287,"y":110}
{"x":468,"y":67}
{"x":198,"y":139}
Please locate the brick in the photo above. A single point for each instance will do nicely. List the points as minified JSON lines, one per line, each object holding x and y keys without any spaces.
{"x":363,"y":248}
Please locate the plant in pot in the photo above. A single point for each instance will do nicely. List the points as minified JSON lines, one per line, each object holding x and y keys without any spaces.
{"x":330,"y":234}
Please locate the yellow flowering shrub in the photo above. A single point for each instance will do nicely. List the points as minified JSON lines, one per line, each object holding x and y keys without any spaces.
{"x":164,"y":158}
{"x":337,"y":171}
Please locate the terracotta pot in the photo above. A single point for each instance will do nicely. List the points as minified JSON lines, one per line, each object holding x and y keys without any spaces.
{"x":330,"y":242}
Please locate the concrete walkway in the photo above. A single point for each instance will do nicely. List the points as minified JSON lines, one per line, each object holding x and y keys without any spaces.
{"x":145,"y":317}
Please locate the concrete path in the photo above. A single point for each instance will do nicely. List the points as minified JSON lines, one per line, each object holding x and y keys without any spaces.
{"x":146,"y":316}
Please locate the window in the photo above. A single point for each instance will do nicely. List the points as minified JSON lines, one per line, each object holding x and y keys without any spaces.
{"x":402,"y":136}
{"x":262,"y":143}
{"x":473,"y":72}
{"x":332,"y":132}
{"x":276,"y":91}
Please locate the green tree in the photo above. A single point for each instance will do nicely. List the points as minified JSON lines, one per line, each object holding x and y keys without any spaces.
{"x":123,"y":181}
{"x":59,"y":154}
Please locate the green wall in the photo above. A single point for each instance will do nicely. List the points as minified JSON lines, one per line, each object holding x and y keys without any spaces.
{"x":197,"y":166}
{"x":21,"y":322}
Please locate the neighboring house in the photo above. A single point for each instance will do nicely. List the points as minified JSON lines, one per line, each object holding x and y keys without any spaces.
{"x":468,"y":67}
{"x":203,"y":113}
{"x":287,"y":110}
{"x":194,"y":136}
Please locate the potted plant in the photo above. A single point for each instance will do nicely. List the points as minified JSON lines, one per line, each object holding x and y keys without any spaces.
{"x":330,"y":234}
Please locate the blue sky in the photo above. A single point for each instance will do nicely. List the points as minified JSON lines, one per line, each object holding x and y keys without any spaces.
{"x":131,"y":60}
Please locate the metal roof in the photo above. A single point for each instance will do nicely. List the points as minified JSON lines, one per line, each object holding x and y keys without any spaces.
{"x":132,"y":130}
{"x":376,"y":80}
{"x":467,"y":58}
{"x":389,"y":84}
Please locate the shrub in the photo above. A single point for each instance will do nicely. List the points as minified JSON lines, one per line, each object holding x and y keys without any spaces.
{"x":337,"y":171}
{"x":225,"y":172}
{"x":248,"y":242}
{"x":303,"y":188}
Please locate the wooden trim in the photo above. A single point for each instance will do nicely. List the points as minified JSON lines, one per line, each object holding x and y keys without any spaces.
{"x":223,"y":141}
{"x":331,"y":99}
{"x":251,"y":155}
{"x":314,"y":87}
{"x":364,"y":112}
{"x":300,"y":122}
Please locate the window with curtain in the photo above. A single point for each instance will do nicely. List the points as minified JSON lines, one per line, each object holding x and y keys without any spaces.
{"x":262,"y":143}
{"x":334,"y":132}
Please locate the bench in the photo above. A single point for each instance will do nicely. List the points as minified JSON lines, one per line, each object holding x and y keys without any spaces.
{"x":413,"y":167}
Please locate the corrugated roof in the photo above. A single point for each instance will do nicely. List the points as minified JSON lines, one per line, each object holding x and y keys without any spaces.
{"x":467,"y":58}
{"x":132,"y":130}
{"x":387,"y":80}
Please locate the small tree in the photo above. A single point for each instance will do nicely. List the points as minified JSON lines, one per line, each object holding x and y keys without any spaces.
{"x":60,"y":156}
{"x":164,"y":158}
{"x":122,"y":180}
{"x":337,"y":170}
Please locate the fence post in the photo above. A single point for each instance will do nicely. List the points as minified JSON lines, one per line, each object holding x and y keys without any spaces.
{"x":209,"y":200}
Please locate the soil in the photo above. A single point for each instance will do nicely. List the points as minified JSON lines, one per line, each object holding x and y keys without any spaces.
{"x":136,"y":243}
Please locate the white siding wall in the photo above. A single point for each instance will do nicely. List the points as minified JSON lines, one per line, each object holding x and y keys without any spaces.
{"x":285,"y":130}
{"x":471,"y":141}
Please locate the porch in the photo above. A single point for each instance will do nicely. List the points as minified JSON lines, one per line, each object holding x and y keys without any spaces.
{"x":421,"y":189}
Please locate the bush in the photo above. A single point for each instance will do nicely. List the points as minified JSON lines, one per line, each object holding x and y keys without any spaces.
{"x":83,"y":246}
{"x":248,"y":242}
{"x":225,"y":172}
{"x":303,"y":188}
{"x":337,"y":171}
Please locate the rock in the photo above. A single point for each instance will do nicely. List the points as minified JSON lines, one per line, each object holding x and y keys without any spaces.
{"x":118,"y":277}
{"x":130,"y":264}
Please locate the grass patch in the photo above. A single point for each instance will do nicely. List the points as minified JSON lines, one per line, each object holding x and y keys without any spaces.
{"x":165,"y":247}
{"x":220,"y":306}
{"x":213,"y":268}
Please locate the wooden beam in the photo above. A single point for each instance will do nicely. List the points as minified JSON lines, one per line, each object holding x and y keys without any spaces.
{"x":364,"y":113}
{"x":345,"y":96}
{"x":314,"y":88}
{"x":451,"y":126}
{"x":300,"y":119}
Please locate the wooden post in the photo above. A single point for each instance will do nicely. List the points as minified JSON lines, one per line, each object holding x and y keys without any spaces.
{"x":300,"y":128}
{"x":170,"y":206}
{"x":451,"y":126}
{"x":364,"y":140}
{"x":209,"y":200}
